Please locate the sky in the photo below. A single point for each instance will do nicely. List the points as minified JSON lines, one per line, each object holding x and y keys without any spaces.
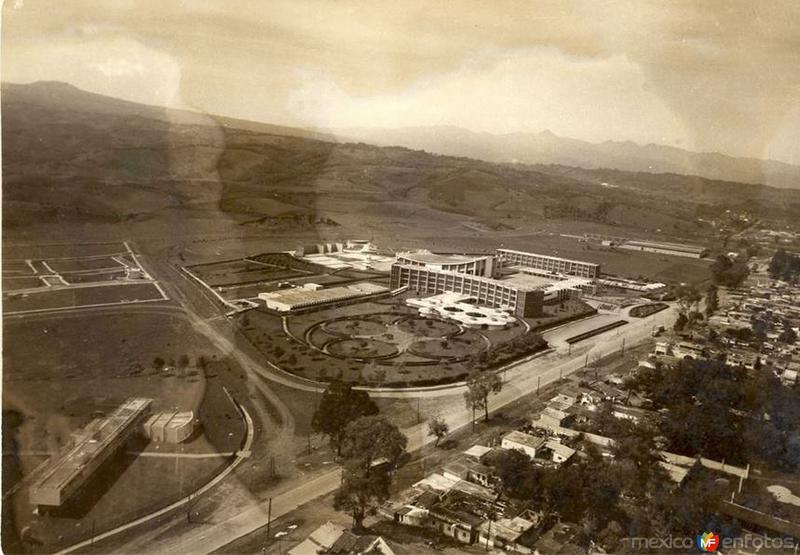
{"x":703,"y":75}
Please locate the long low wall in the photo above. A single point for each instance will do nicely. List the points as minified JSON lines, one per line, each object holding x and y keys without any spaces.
{"x":596,"y":331}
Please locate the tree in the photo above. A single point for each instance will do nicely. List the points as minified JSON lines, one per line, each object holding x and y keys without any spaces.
{"x":438,"y":428}
{"x":360,"y":494}
{"x":183,"y":361}
{"x":784,"y":266}
{"x":368,"y":439}
{"x":680,"y":322}
{"x":639,"y":449}
{"x":712,"y":300}
{"x":340,"y":404}
{"x":372,"y":447}
{"x":788,"y":336}
{"x":519,"y":476}
{"x":730,"y":273}
{"x":158,"y":363}
{"x":479,"y":386}
{"x":688,"y":297}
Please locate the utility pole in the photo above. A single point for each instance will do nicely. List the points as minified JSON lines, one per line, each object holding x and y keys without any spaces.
{"x":269,"y":525}
{"x":538,"y":383}
{"x":623,"y":346}
{"x":418,"y":417}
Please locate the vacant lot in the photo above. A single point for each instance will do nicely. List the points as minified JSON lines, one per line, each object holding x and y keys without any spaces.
{"x":82,"y":264}
{"x":240,"y":272}
{"x":58,"y":250}
{"x":93,"y":277}
{"x":15,"y":283}
{"x":78,"y":297}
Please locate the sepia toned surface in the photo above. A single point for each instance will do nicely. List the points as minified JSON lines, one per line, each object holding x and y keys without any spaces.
{"x":400,"y":277}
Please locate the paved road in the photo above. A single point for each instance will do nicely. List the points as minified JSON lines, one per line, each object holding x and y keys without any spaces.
{"x":520,"y":381}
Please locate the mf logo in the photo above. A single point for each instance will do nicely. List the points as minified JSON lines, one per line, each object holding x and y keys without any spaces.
{"x":707,"y":542}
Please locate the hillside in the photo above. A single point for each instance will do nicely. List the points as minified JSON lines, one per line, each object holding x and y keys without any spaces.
{"x":72,"y":156}
{"x":548,"y":148}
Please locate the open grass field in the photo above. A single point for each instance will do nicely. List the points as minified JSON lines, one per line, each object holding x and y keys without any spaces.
{"x":60,"y":299}
{"x":93,"y":277}
{"x":26,"y":282}
{"x":45,"y":251}
{"x":68,"y":265}
{"x":126,"y":487}
{"x":242,"y":272}
{"x":56,"y":376}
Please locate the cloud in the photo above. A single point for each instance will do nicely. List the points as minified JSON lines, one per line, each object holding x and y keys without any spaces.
{"x":503,"y":91}
{"x":104,"y":61}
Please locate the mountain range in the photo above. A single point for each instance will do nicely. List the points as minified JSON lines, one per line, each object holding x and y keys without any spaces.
{"x":548,"y":148}
{"x":70,"y":156}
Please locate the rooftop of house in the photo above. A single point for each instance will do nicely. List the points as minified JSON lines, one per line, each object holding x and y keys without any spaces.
{"x":521,"y":438}
{"x":559,"y":448}
{"x":477,"y":451}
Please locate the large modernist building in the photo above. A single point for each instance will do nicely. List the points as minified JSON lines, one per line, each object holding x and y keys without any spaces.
{"x":549,"y":264}
{"x":92,"y":445}
{"x":477,"y":265}
{"x":521,"y":300}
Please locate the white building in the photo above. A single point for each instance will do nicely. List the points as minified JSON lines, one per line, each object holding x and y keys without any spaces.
{"x":526,"y":443}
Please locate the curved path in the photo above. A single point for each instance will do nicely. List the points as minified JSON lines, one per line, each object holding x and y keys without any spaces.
{"x":240,"y":456}
{"x":520,"y":381}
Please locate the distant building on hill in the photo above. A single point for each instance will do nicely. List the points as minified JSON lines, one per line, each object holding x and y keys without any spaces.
{"x":674,"y":249}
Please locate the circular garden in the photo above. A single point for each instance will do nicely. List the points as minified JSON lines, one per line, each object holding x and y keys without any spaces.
{"x":379,"y":344}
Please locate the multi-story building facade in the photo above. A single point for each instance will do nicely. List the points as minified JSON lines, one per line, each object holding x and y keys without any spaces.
{"x":478,"y":265}
{"x":549,"y":264}
{"x":522,"y":301}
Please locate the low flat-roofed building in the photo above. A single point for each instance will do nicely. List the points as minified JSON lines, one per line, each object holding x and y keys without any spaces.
{"x":549,"y":417}
{"x":169,"y":427}
{"x":477,"y":452}
{"x":287,"y":300}
{"x":465,"y":468}
{"x":674,"y":249}
{"x":559,"y":453}
{"x":92,"y":445}
{"x":526,"y":443}
{"x":319,"y":541}
{"x":503,"y":533}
